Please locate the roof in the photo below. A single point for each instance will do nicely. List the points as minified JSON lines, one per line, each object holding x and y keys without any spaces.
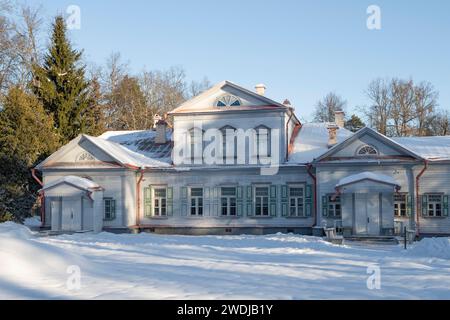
{"x":137,"y":148}
{"x":375,"y":134}
{"x":201,"y":104}
{"x":127,"y":148}
{"x":430,"y":148}
{"x":312,"y":141}
{"x":78,"y":182}
{"x":367,"y":176}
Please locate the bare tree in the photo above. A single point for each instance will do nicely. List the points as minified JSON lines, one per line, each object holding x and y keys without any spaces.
{"x":326,"y":108}
{"x":197,"y":87}
{"x":425,"y":102}
{"x":379,"y":111}
{"x":19,"y":30}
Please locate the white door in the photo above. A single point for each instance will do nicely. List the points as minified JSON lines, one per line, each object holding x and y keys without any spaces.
{"x":71,"y":215}
{"x":367,"y":214}
{"x":373,"y":214}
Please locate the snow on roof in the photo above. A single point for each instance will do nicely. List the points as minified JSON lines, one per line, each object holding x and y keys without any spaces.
{"x":430,"y":148}
{"x":312,"y":142}
{"x":137,"y":148}
{"x":79,"y":182}
{"x":367,"y":176}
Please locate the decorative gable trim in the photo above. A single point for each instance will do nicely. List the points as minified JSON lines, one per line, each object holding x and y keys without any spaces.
{"x":375,"y":134}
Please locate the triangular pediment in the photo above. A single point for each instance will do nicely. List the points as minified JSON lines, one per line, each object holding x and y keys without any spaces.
{"x":235,"y":98}
{"x":79,"y":153}
{"x":381,"y":149}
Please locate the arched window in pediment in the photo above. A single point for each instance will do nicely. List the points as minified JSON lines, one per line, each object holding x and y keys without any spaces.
{"x":367,"y":150}
{"x":228,"y":100}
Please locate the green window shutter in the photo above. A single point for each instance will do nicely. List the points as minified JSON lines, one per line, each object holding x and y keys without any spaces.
{"x":184,"y":201}
{"x":425,"y":205}
{"x":249,"y":201}
{"x":273,"y":201}
{"x":113,"y":209}
{"x":409,"y":205}
{"x":308,"y":200}
{"x":169,"y":201}
{"x":148,"y":202}
{"x":325,"y":206}
{"x":284,"y":201}
{"x":240,"y":201}
{"x":445,"y":211}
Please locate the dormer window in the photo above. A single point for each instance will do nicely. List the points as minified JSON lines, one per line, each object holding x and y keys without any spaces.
{"x":228,"y":101}
{"x":367,"y":150}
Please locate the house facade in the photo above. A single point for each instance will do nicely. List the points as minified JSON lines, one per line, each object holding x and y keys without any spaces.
{"x":235,"y":161}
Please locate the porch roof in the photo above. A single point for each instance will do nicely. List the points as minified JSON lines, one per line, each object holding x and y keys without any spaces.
{"x":77,"y":182}
{"x":380,"y":178}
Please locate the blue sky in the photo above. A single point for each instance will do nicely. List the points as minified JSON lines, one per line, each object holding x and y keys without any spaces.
{"x":300,"y":49}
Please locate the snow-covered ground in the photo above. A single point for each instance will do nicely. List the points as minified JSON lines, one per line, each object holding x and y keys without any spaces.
{"x":147,"y":266}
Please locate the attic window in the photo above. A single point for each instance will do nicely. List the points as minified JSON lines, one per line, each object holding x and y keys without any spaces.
{"x":228,"y":101}
{"x":367,"y":151}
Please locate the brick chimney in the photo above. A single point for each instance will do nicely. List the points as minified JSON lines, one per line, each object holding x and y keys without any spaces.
{"x":260,"y":89}
{"x":161,"y":127}
{"x":339,"y":116}
{"x":332,"y":134}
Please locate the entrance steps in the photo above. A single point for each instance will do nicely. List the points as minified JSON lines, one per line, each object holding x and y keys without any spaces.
{"x":373,"y":239}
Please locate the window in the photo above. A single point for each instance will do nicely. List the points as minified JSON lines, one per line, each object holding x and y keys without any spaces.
{"x":297,"y":201}
{"x":334,"y":206}
{"x":263,"y":141}
{"x":228,"y":101}
{"x":367,"y":151}
{"x":228,"y":201}
{"x":196,"y":143}
{"x":109,"y":209}
{"x":229,"y":131}
{"x":262,"y":201}
{"x":400,"y":205}
{"x":160,"y":202}
{"x":196,"y":201}
{"x":434,"y":205}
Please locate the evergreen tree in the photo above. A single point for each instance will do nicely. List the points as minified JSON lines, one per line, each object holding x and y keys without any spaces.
{"x":61,"y":85}
{"x":354,"y":123}
{"x":27,"y":136}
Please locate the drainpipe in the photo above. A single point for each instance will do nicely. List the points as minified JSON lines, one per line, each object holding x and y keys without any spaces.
{"x":41,"y":196}
{"x":418,"y":212}
{"x":309,"y":167}
{"x":138,"y":191}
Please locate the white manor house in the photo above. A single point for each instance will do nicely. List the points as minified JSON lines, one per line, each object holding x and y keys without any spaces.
{"x":235,"y":161}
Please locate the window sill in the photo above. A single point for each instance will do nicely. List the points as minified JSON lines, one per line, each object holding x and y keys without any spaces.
{"x":428,"y":217}
{"x":303,"y":218}
{"x":228,"y":217}
{"x":256,"y":217}
{"x":157,"y":218}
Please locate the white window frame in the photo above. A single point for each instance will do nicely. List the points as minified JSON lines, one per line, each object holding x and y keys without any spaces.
{"x":432,"y":205}
{"x":267,"y":138}
{"x":296,"y":200}
{"x":199,"y":203}
{"x":228,"y":199}
{"x":332,"y":206}
{"x":159,"y":210}
{"x":261,"y":198}
{"x":398,"y":205}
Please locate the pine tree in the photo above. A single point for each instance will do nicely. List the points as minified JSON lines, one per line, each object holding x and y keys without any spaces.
{"x":354,"y":123}
{"x":27,"y":135}
{"x":61,"y":85}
